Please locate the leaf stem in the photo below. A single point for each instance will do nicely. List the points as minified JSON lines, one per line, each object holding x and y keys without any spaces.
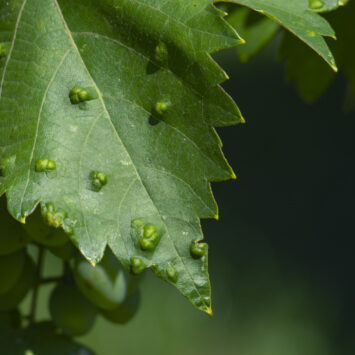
{"x":33,"y":308}
{"x":49,"y":280}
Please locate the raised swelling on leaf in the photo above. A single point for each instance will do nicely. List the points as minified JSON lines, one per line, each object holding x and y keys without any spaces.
{"x":315,"y":4}
{"x":79,"y":95}
{"x":4,"y":49}
{"x":52,"y":216}
{"x":98,"y":180}
{"x":161,"y":52}
{"x":43,"y":165}
{"x":137,"y":266}
{"x":41,"y":226}
{"x":171,"y":272}
{"x":149,"y":237}
{"x":70,"y":311}
{"x":161,"y":107}
{"x":198,"y":250}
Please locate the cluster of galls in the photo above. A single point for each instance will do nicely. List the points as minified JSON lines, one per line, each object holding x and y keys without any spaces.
{"x":79,"y":95}
{"x":52,"y":216}
{"x":149,"y":238}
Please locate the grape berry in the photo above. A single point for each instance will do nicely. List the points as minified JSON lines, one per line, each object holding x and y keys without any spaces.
{"x":81,"y":294}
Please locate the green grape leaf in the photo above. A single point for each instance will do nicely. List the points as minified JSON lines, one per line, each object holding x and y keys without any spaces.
{"x":107,"y":112}
{"x":303,"y":67}
{"x":343,"y":21}
{"x":297,"y":17}
{"x":313,"y":76}
{"x":326,"y":5}
{"x":256,"y":35}
{"x":39,"y":339}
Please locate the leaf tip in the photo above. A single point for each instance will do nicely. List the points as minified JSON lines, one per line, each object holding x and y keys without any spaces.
{"x":334,"y":67}
{"x":93,"y":263}
{"x":209,"y":311}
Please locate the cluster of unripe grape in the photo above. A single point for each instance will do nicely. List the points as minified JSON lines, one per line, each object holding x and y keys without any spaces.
{"x":83,"y":291}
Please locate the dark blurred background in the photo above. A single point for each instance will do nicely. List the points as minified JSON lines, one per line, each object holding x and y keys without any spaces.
{"x":281,"y":255}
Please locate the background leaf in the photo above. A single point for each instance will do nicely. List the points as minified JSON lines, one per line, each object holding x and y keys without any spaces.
{"x":298,"y":18}
{"x":256,"y":34}
{"x":309,"y":73}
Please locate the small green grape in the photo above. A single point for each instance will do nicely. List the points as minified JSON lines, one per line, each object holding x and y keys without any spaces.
{"x":105,"y":285}
{"x":12,"y":237}
{"x":65,"y":252}
{"x":14,"y":297}
{"x":70,"y":311}
{"x":126,"y":311}
{"x":42,"y":232}
{"x":11,"y":267}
